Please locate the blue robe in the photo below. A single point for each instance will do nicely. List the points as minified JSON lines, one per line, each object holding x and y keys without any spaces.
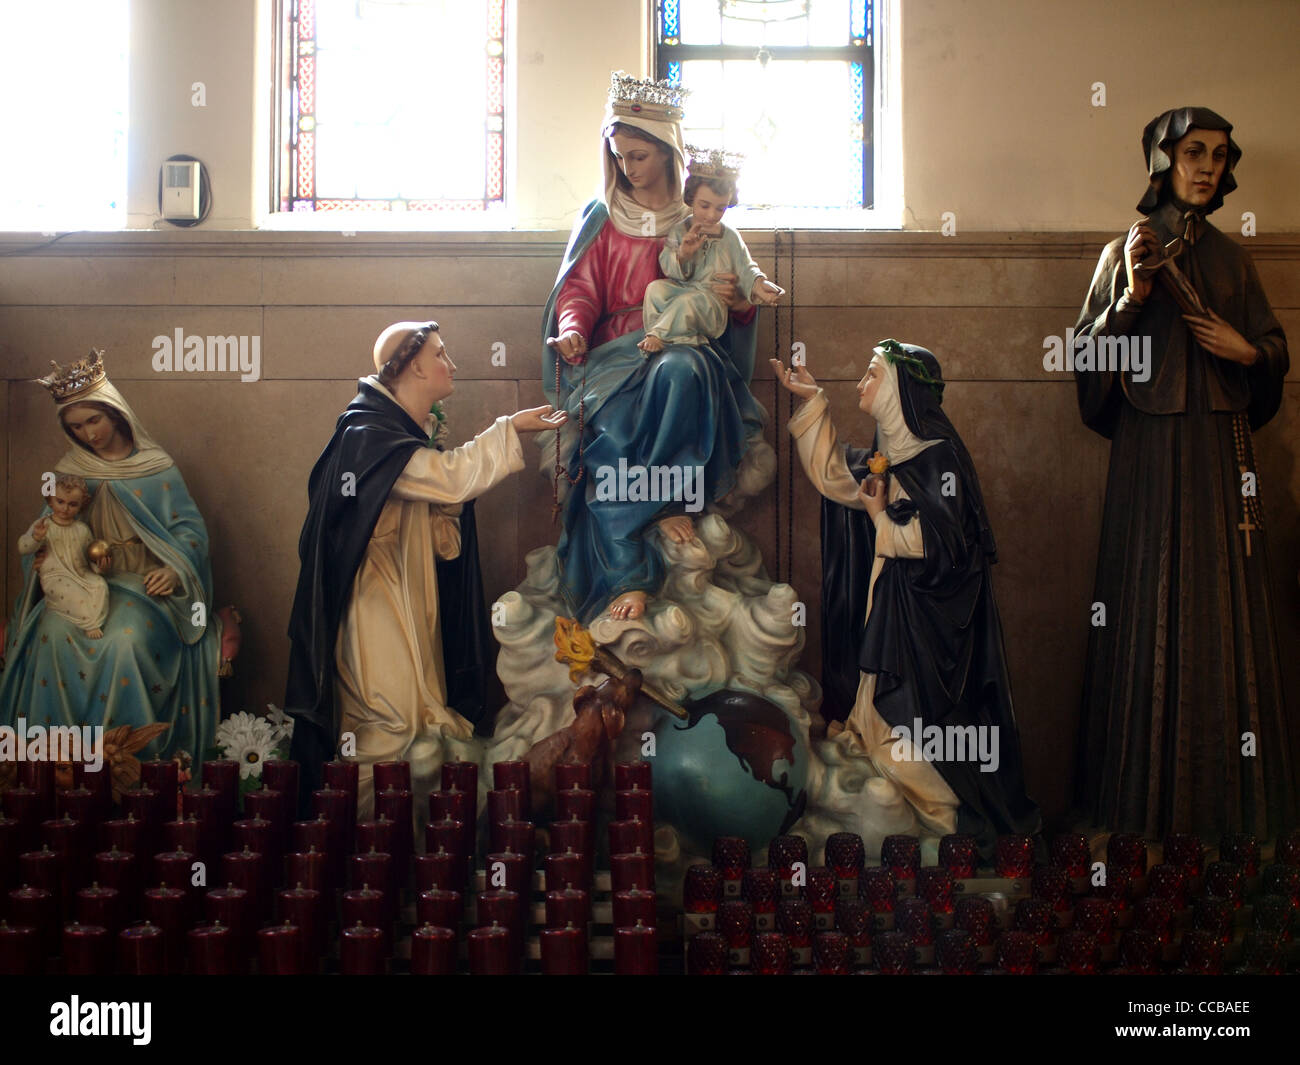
{"x":684,"y":407}
{"x":153,"y":664}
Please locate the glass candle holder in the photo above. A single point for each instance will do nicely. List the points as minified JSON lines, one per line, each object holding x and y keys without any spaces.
{"x":831,"y":953}
{"x":736,"y":923}
{"x":1242,"y":849}
{"x":1225,"y":880}
{"x":1035,"y":917}
{"x":822,"y":890}
{"x":878,"y":887}
{"x":959,"y":854}
{"x":1264,"y":953}
{"x":1139,"y":952}
{"x":703,"y":889}
{"x":853,"y":918}
{"x":1070,"y":852}
{"x":784,"y":851}
{"x":845,"y":855}
{"x":1096,"y":916}
{"x":1014,"y":857}
{"x":1116,"y":889}
{"x":1155,"y":916}
{"x":760,"y":888}
{"x":771,"y":954}
{"x":956,"y":952}
{"x":794,"y":917}
{"x":1287,"y":851}
{"x":1052,"y":884}
{"x":1185,"y":851}
{"x":1283,"y":880}
{"x":1127,"y":850}
{"x":893,"y":953}
{"x":901,"y":855}
{"x":1078,"y":952}
{"x":974,"y":914}
{"x":1273,"y":913}
{"x":731,"y":856}
{"x":1017,"y":953}
{"x":706,"y":955}
{"x":937,"y":887}
{"x":1166,"y":881}
{"x":1202,"y":952}
{"x":1214,"y":916}
{"x":913,"y":917}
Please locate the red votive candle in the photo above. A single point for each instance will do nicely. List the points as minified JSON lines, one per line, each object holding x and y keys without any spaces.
{"x":573,"y":775}
{"x":211,"y":950}
{"x":1202,"y":953}
{"x":634,"y":906}
{"x":1017,"y":954}
{"x":936,"y":886}
{"x":142,"y":951}
{"x":1070,"y":852}
{"x":625,"y":837}
{"x":102,"y":906}
{"x":636,"y":949}
{"x":706,"y":955}
{"x":635,"y":870}
{"x":365,"y":905}
{"x":575,"y":804}
{"x":760,"y":888}
{"x":490,"y":951}
{"x":736,"y":923}
{"x":9,"y":851}
{"x":142,"y":804}
{"x":396,"y":805}
{"x":576,"y":836}
{"x":794,"y":917}
{"x":784,"y":852}
{"x":853,"y":918}
{"x":1214,"y":915}
{"x":124,"y":834}
{"x":517,"y":836}
{"x":256,"y":834}
{"x":460,"y":776}
{"x":183,"y":835}
{"x":975,"y":915}
{"x":564,"y":951}
{"x":831,"y":953}
{"x":457,"y":806}
{"x":1116,"y":889}
{"x":959,"y":854}
{"x":87,"y":950}
{"x":362,"y":951}
{"x":309,"y":868}
{"x":222,"y":776}
{"x":169,"y":909}
{"x":1287,"y":850}
{"x":1126,"y":850}
{"x":39,"y":777}
{"x":118,"y":870}
{"x":901,"y":855}
{"x":1034,"y":916}
{"x":377,"y":836}
{"x":628,"y":775}
{"x":956,"y":952}
{"x":23,"y":805}
{"x":1167,"y":881}
{"x":43,"y":869}
{"x":281,"y":775}
{"x":1051,"y":883}
{"x":163,"y":778}
{"x":233,"y":908}
{"x":68,"y":839}
{"x":634,"y":804}
{"x":205,"y":805}
{"x":1014,"y":857}
{"x":332,"y":804}
{"x":269,"y":805}
{"x":392,"y":776}
{"x":771,"y":954}
{"x":845,"y":855}
{"x":822,"y":889}
{"x":247,"y":870}
{"x":1155,"y":916}
{"x":1226,"y":880}
{"x":503,"y":804}
{"x":311,"y":834}
{"x":731,"y":856}
{"x":442,"y":909}
{"x":433,"y":951}
{"x":37,"y":908}
{"x":1096,"y":916}
{"x":1186,"y":851}
{"x":173,"y":869}
{"x":80,"y":804}
{"x":21,"y":953}
{"x":279,"y":950}
{"x":570,"y":906}
{"x":564,"y":870}
{"x":1283,"y":880}
{"x":512,"y":774}
{"x":703,"y":889}
{"x":878,"y":887}
{"x":345,"y":776}
{"x":915,"y":920}
{"x":505,"y":908}
{"x":98,"y":782}
{"x":302,"y":907}
{"x":517,"y":873}
{"x":442,"y":870}
{"x":1241,"y":849}
{"x":375,"y":869}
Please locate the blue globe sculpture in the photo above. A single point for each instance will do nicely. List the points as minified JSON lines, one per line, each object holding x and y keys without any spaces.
{"x":738,"y":767}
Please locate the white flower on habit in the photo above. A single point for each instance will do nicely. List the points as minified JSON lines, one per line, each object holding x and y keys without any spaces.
{"x":281,"y":722}
{"x":249,"y":740}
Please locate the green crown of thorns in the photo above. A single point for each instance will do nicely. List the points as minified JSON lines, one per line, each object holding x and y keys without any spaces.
{"x":910,"y":364}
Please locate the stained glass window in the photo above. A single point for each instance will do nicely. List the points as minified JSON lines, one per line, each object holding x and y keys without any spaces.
{"x":392,"y":106}
{"x":63,"y":76}
{"x":787,"y":83}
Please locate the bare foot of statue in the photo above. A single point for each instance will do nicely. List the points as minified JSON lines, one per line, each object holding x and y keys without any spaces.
{"x":679,"y":529}
{"x":95,"y":634}
{"x":628,"y":606}
{"x":651,"y":344}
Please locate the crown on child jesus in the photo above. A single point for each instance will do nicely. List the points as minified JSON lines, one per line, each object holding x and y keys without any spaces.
{"x":631,"y":96}
{"x":68,"y":381}
{"x":713,"y":162}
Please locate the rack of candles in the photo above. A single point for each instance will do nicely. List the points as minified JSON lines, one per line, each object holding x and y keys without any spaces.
{"x":1123,"y":913}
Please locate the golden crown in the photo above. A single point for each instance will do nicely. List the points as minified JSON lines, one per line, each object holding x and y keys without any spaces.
{"x":633,"y":97}
{"x":713,"y":162}
{"x":66,"y":382}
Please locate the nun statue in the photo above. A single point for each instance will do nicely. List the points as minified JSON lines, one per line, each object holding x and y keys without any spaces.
{"x":908,"y":614}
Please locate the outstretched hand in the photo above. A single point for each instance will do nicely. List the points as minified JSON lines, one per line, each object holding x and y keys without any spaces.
{"x":538,"y":419}
{"x":796,"y":380}
{"x":766,"y":293}
{"x":571,"y":346}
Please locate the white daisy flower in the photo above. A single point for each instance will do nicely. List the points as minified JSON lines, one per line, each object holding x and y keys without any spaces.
{"x":247,"y":739}
{"x":281,"y":723}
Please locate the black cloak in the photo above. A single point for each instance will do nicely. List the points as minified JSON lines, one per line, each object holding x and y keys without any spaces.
{"x":934,"y":637}
{"x":373,"y":440}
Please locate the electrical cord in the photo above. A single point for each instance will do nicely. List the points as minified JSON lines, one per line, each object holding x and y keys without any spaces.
{"x":205,"y":192}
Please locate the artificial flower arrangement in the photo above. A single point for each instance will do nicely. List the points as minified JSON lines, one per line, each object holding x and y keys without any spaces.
{"x":251,"y":740}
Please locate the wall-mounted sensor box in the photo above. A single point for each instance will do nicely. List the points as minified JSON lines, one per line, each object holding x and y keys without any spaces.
{"x":180,"y":198}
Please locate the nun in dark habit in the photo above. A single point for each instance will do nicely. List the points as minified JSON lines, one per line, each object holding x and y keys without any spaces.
{"x":1183,"y":725}
{"x":911,"y":633}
